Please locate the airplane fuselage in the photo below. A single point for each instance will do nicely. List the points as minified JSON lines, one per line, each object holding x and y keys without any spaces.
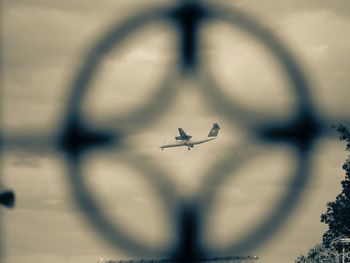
{"x":186,"y":140}
{"x":187,"y":143}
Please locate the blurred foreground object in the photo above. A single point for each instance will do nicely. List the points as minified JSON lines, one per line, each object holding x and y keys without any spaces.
{"x":7,"y":198}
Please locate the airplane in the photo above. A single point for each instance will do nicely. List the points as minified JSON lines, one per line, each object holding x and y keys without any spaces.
{"x":185,"y":140}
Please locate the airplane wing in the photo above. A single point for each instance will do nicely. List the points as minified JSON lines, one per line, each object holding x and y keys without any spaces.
{"x":183,"y":136}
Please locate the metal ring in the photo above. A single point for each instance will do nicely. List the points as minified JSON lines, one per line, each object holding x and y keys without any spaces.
{"x":114,"y":234}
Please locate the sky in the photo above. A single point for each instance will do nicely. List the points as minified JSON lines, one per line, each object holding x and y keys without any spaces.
{"x":44,"y":44}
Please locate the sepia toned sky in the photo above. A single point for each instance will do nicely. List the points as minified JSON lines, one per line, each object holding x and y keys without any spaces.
{"x":44,"y":45}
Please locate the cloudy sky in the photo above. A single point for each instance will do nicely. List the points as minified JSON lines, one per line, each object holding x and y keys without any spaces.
{"x":44,"y":44}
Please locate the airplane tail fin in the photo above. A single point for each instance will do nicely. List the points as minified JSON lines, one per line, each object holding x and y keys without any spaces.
{"x":214,"y":130}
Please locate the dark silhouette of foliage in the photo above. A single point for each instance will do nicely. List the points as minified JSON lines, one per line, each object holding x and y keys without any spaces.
{"x":318,"y":254}
{"x":337,"y":216}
